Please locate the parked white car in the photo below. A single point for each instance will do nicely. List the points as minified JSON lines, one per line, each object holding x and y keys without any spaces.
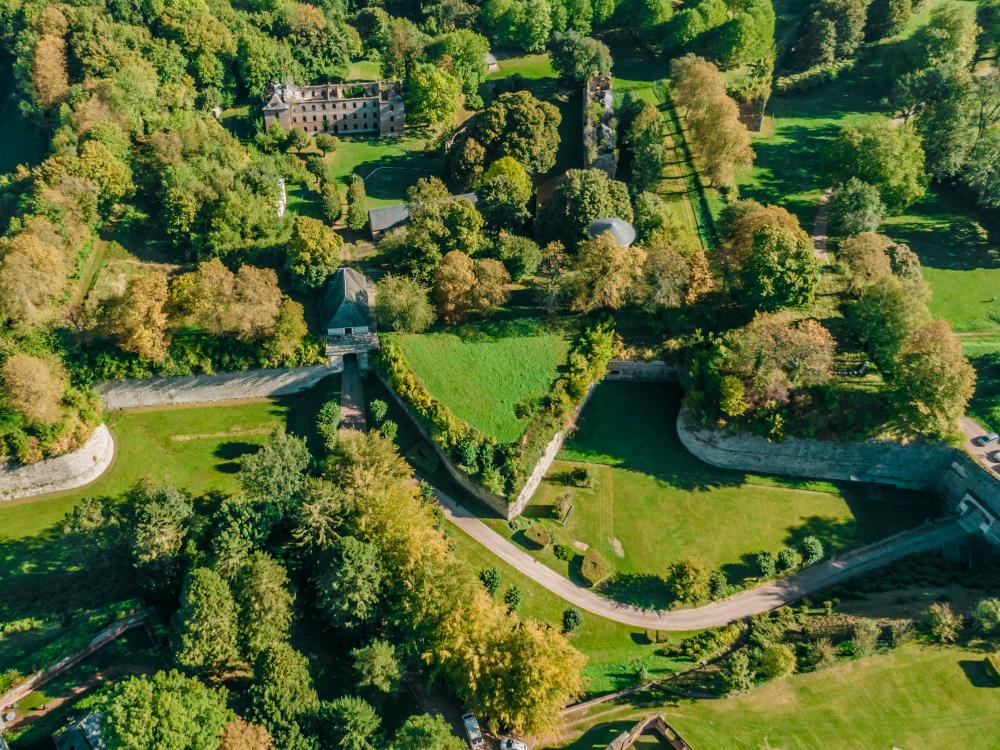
{"x":511,"y":744}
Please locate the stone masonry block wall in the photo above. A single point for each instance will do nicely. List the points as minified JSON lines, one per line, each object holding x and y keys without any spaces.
{"x":194,"y":389}
{"x":655,"y":371}
{"x":67,"y":472}
{"x":917,"y":467}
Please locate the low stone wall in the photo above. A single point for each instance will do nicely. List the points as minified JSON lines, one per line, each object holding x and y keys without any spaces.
{"x":555,"y":445}
{"x":916,"y":467}
{"x":966,"y":477}
{"x":655,"y":371}
{"x":67,"y":472}
{"x":195,"y":389}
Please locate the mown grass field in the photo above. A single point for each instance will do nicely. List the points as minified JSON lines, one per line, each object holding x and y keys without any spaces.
{"x":918,"y":698}
{"x":484,"y":370}
{"x":653,"y":503}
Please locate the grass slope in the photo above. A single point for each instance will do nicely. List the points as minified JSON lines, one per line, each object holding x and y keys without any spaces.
{"x":653,"y":503}
{"x":483,"y":377}
{"x":913,"y":698}
{"x":400,"y":163}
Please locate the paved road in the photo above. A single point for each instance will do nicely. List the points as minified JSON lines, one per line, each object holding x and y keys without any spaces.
{"x":352,"y":397}
{"x":973,"y":430}
{"x":761,"y":599}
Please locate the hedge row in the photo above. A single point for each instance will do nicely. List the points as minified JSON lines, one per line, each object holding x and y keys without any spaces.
{"x":807,"y":80}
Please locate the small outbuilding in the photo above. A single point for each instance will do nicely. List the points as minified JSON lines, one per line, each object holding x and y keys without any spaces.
{"x":85,"y":734}
{"x":381,"y":220}
{"x":492,"y":66}
{"x":622,"y":232}
{"x":345,"y":305}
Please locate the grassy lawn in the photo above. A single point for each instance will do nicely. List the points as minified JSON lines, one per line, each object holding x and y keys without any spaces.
{"x":916,"y":698}
{"x":652,"y":503}
{"x":912,"y":698}
{"x":528,"y":66}
{"x":960,"y":254}
{"x":486,"y":368}
{"x":400,"y":163}
{"x":364,"y":70}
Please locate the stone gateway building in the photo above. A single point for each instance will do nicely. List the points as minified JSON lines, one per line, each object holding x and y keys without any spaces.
{"x":374,"y":108}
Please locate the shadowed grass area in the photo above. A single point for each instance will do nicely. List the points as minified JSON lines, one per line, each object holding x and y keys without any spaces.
{"x":651,"y":502}
{"x":484,"y":371}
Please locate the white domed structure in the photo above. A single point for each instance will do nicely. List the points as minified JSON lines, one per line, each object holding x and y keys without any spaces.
{"x":621,"y":231}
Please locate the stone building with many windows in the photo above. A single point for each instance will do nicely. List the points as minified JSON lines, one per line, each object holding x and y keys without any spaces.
{"x":374,"y":108}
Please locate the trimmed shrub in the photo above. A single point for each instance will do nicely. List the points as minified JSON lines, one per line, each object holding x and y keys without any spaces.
{"x":562,"y":552}
{"x":594,"y":568}
{"x":572,"y":619}
{"x":490,"y":578}
{"x":379,"y":409}
{"x":539,"y":535}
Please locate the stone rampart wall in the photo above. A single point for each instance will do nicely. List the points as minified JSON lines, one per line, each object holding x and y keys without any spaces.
{"x":655,"y":371}
{"x":66,"y":472}
{"x":917,"y":467}
{"x":195,"y":389}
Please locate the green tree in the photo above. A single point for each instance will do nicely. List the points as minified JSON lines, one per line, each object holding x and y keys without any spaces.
{"x":167,"y":711}
{"x":504,"y":194}
{"x":688,"y":581}
{"x":402,"y":304}
{"x":205,"y":625}
{"x":289,"y":330}
{"x":327,"y":143}
{"x":885,"y":155}
{"x":884,"y":317}
{"x":766,"y":564}
{"x":520,"y":255}
{"x":282,"y":692}
{"x":789,"y":560}
{"x":855,"y":207}
{"x":737,"y":673}
{"x":432,"y":97}
{"x":313,"y":252}
{"x":357,"y":213}
{"x":781,"y":270}
{"x":774,"y":661}
{"x":424,"y":731}
{"x":490,"y":578}
{"x":986,"y":614}
{"x":377,"y":666}
{"x":812,"y":550}
{"x":348,"y":723}
{"x":572,"y":619}
{"x":932,"y":381}
{"x":582,"y":196}
{"x":577,"y":58}
{"x":265,"y":605}
{"x":512,"y":597}
{"x":465,"y":51}
{"x":161,"y":517}
{"x":605,"y":275}
{"x":350,"y":583}
{"x":515,"y":124}
{"x":276,"y":473}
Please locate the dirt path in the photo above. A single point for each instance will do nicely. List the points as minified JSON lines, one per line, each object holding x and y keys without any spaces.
{"x":76,"y":692}
{"x":753,"y":601}
{"x":819,"y":234}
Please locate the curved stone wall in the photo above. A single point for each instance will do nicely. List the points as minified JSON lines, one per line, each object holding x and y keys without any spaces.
{"x":915,"y":467}
{"x":67,"y":472}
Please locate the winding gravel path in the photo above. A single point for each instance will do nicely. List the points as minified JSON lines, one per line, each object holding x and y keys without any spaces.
{"x":753,"y":601}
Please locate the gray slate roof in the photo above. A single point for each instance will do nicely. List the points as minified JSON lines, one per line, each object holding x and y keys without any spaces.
{"x":345,"y":304}
{"x":390,"y":217}
{"x":622,"y":232}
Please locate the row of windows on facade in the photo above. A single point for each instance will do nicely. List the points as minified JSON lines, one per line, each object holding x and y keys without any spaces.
{"x":343,"y":105}
{"x":315,"y":118}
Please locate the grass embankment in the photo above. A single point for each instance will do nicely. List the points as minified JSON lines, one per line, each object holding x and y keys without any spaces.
{"x":914,"y":697}
{"x":653,"y":503}
{"x":484,"y":369}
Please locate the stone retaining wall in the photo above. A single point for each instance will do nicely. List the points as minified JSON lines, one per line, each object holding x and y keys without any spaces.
{"x":195,"y":389}
{"x":655,"y":371}
{"x":915,"y":467}
{"x":67,"y":472}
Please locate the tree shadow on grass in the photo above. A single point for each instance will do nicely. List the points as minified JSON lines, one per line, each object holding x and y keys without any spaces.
{"x":232,"y":452}
{"x":638,"y":589}
{"x":977,"y":674}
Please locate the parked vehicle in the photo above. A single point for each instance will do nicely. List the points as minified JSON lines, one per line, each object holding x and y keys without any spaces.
{"x":510,"y":743}
{"x":988,"y":438}
{"x":473,"y":733}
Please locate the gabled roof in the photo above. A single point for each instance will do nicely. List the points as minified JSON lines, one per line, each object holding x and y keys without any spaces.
{"x":622,"y":232}
{"x":389,"y":217}
{"x":345,"y":304}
